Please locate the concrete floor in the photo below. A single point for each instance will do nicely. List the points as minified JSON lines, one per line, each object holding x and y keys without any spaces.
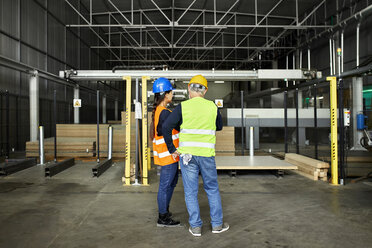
{"x":72,"y":209}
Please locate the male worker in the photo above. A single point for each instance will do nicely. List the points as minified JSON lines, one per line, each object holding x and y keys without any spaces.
{"x":198,"y":119}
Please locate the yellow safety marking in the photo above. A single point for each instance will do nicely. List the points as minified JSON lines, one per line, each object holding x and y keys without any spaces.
{"x":144,"y":131}
{"x":149,"y":158}
{"x":334,"y":144}
{"x":127,"y":129}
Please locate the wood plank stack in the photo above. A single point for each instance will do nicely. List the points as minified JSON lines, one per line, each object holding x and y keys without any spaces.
{"x":113,"y":122}
{"x":225,"y":141}
{"x":309,"y":167}
{"x":79,"y":140}
{"x":66,"y":147}
{"x":90,"y":130}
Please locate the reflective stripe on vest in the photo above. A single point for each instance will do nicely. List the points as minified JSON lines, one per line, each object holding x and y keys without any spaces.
{"x":162,"y":155}
{"x":197,"y":144}
{"x":161,"y":141}
{"x":160,"y":149}
{"x":198,"y":131}
{"x":198,"y":128}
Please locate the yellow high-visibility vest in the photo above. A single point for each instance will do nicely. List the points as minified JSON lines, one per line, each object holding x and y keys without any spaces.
{"x":198,"y":129}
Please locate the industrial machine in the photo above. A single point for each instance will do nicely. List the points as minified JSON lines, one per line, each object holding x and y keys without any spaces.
{"x":366,"y":140}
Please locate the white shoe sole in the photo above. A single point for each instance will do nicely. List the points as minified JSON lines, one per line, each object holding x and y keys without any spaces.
{"x":222,"y":230}
{"x":195,"y":234}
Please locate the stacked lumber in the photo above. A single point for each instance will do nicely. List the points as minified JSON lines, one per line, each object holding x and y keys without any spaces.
{"x":79,"y":140}
{"x":66,"y":147}
{"x":225,"y":142}
{"x":309,"y":167}
{"x":113,"y":122}
{"x":118,"y":148}
{"x":90,"y":131}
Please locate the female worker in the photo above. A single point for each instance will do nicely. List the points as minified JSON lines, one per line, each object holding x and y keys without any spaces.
{"x":162,"y":89}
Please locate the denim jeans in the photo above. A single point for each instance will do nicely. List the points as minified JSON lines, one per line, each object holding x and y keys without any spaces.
{"x":190,"y":178}
{"x":168,"y":181}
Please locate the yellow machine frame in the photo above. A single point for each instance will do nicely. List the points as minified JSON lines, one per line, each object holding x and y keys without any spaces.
{"x":127,"y":129}
{"x":144,"y":131}
{"x":334,"y":144}
{"x":145,"y":149}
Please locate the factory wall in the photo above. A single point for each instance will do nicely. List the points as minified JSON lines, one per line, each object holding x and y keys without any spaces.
{"x":33,"y":32}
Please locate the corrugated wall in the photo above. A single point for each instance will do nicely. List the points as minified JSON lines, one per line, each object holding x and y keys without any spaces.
{"x":33,"y":32}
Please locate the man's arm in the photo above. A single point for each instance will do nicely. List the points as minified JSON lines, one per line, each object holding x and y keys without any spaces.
{"x":173,"y":121}
{"x":219,"y":123}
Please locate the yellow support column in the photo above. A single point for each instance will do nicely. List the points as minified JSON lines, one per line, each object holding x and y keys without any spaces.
{"x":149,"y":158}
{"x":144,"y":131}
{"x":334,"y":144}
{"x":127,"y":130}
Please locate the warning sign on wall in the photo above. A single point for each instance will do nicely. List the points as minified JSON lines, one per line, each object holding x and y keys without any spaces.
{"x":77,"y":103}
{"x":219,"y":103}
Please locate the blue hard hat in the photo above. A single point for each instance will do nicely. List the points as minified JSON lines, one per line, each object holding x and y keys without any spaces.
{"x":161,"y":85}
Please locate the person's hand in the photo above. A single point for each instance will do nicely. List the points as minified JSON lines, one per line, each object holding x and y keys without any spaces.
{"x":175,"y":155}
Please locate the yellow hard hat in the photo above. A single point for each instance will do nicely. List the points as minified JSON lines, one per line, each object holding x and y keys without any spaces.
{"x":199,"y":79}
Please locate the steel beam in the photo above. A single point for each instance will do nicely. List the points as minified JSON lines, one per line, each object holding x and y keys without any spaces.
{"x":14,"y":165}
{"x":312,"y":12}
{"x":191,"y":30}
{"x":227,"y":12}
{"x":58,"y":167}
{"x":161,"y":11}
{"x":254,"y":27}
{"x":138,"y":26}
{"x":196,"y":10}
{"x":187,"y":29}
{"x":178,"y":20}
{"x":340,"y":25}
{"x":101,"y":167}
{"x":118,"y":11}
{"x":233,"y":75}
{"x":191,"y":47}
{"x":90,"y":24}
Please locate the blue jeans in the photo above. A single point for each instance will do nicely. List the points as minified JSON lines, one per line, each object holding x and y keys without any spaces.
{"x":190,"y":178}
{"x":168,"y":181}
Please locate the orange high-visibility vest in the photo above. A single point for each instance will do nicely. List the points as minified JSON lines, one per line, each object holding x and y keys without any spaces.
{"x":161,"y":154}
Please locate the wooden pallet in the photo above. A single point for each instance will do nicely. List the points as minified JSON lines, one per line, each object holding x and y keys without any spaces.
{"x":309,"y":167}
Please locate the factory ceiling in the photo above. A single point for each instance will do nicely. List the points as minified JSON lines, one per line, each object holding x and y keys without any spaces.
{"x":200,"y":34}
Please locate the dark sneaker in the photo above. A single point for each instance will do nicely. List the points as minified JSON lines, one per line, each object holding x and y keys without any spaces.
{"x":221,"y":228}
{"x":195,"y":231}
{"x":169,"y":213}
{"x":165,"y":221}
